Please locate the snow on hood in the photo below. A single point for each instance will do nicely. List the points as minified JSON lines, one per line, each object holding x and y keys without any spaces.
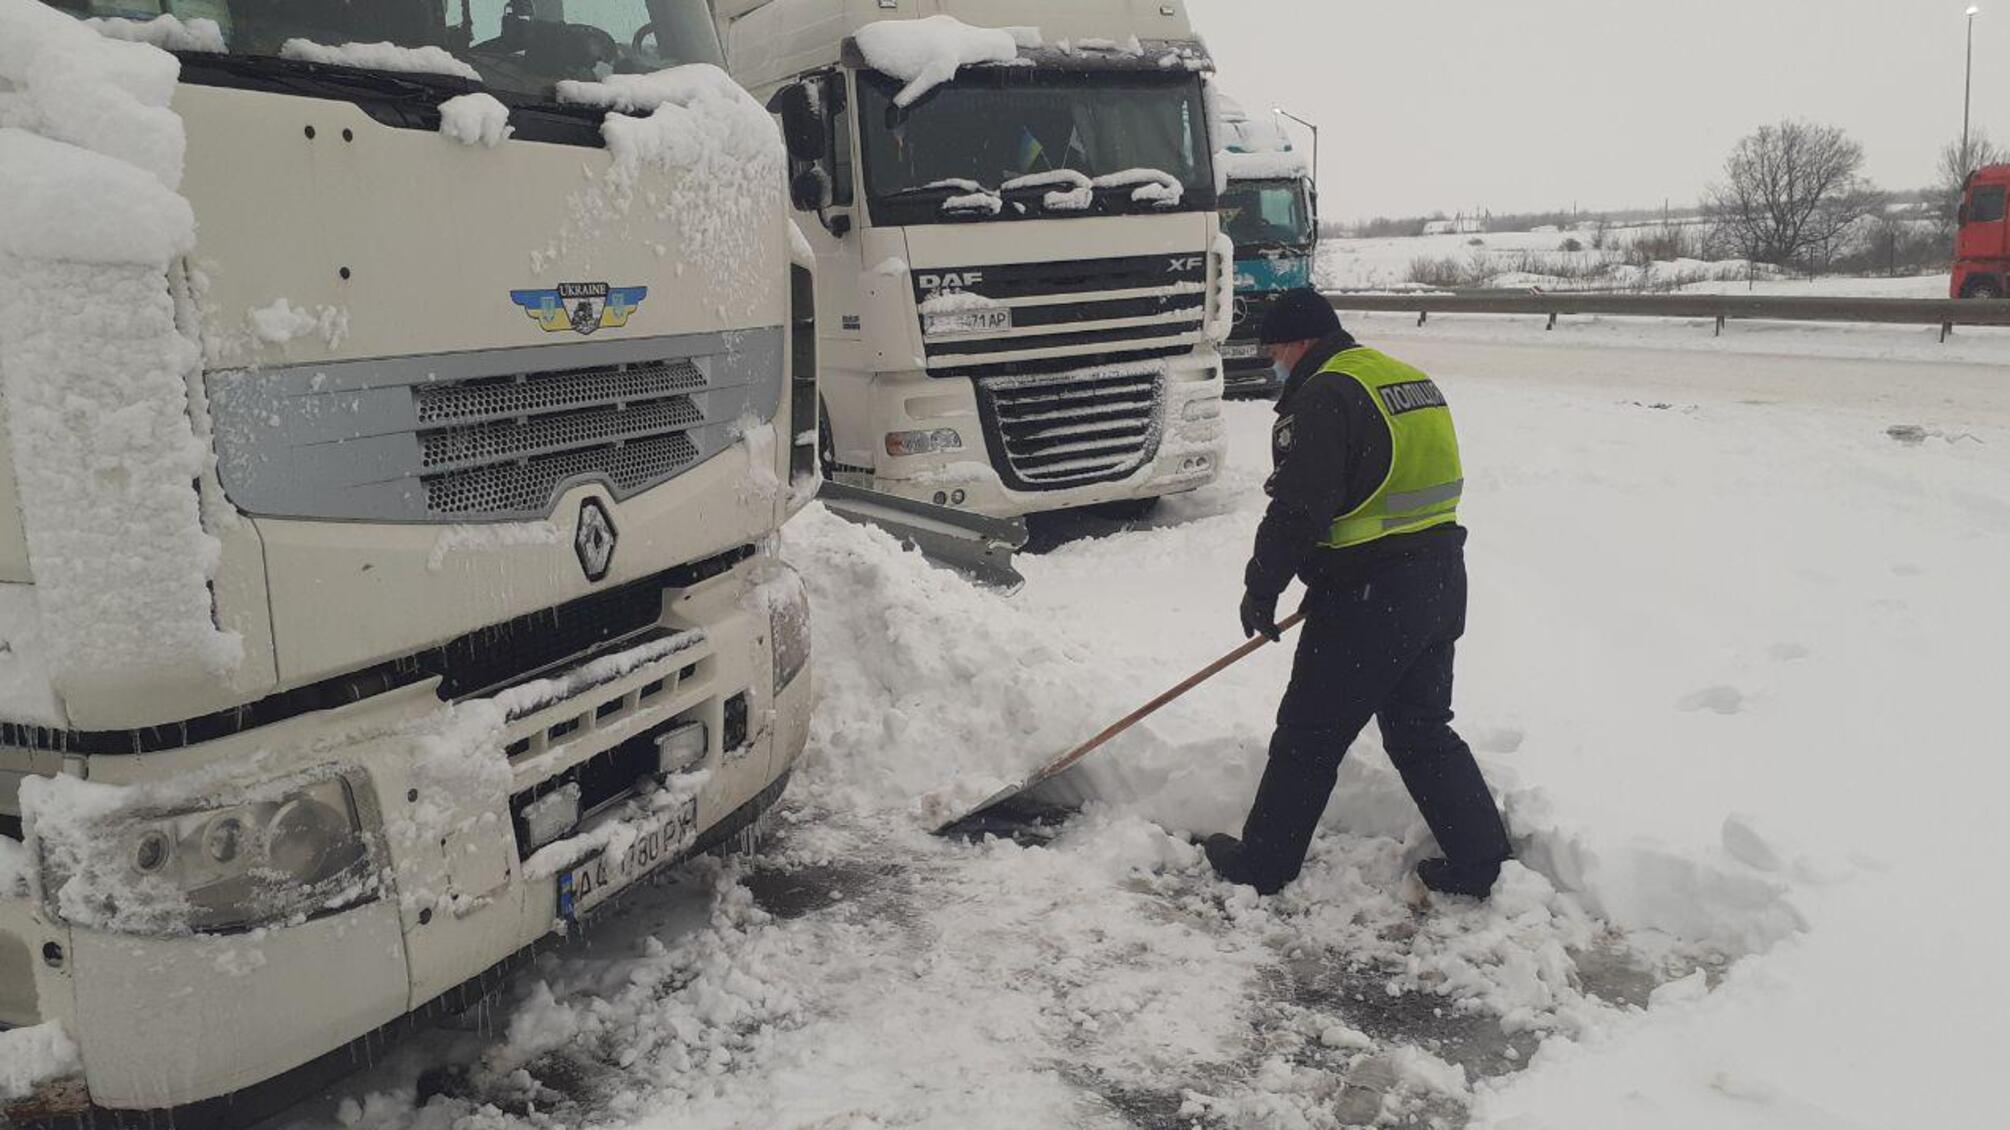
{"x":683,"y":116}
{"x":475,"y":119}
{"x":927,"y":53}
{"x":380,"y":57}
{"x":726,"y":155}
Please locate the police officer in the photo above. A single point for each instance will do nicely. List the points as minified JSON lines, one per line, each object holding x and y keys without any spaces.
{"x":1364,"y":508}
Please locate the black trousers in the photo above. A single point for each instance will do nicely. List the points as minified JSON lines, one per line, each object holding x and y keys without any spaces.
{"x":1378,"y":647}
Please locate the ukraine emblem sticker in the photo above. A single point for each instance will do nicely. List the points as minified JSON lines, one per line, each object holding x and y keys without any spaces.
{"x":580,"y":307}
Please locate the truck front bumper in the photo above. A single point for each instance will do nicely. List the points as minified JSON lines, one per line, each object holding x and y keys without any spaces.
{"x":1187,"y":454}
{"x":168,"y":1022}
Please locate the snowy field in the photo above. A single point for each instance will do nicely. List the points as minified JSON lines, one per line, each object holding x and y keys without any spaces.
{"x":1732,"y":664}
{"x":1385,"y":264}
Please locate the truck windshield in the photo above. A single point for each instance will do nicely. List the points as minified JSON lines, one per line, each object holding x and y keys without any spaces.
{"x":1011,"y":143}
{"x":520,"y":46}
{"x":1266,"y":214}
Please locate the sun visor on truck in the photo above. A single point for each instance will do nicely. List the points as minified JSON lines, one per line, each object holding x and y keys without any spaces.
{"x":1154,"y":56}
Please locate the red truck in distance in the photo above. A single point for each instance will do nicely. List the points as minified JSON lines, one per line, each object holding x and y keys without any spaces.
{"x":1982,"y":244}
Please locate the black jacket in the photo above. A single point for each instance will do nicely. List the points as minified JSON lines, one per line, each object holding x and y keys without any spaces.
{"x":1331,"y":449}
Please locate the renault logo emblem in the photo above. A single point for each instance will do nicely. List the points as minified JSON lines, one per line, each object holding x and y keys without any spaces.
{"x":594,"y":539}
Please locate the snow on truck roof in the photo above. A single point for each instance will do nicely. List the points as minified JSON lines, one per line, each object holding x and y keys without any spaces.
{"x":771,"y":41}
{"x":1256,"y":148}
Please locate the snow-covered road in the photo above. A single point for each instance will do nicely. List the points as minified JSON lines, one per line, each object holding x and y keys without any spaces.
{"x":1733,"y":662}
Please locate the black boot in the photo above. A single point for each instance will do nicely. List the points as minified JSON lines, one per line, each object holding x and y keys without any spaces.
{"x":1296,"y":784}
{"x":1472,"y":880}
{"x":1453,"y":797}
{"x":1224,"y":854}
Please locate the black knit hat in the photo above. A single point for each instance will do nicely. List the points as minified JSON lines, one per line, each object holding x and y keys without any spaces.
{"x":1299,"y":315}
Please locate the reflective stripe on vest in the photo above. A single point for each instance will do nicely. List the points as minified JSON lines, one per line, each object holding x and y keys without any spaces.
{"x":1425,"y":478}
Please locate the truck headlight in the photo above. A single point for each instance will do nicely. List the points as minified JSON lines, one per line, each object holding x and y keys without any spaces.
{"x":789,"y":630}
{"x":298,"y":851}
{"x":924,"y":442}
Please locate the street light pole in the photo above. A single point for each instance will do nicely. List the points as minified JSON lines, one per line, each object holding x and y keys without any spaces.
{"x":1315,"y":136}
{"x":1968,"y":88}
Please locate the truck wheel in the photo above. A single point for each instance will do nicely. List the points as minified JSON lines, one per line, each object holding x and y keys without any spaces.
{"x":1983,"y":288}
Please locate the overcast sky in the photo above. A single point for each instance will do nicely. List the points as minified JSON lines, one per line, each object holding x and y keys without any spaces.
{"x":1520,"y":105}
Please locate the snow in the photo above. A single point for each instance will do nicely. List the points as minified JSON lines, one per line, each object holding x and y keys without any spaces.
{"x":1287,"y":165}
{"x":1072,"y":191}
{"x":1221,"y":315}
{"x":956,"y":302}
{"x":926,"y":53}
{"x":279,"y":322}
{"x":34,"y":1055}
{"x":164,"y":32}
{"x":1149,"y":186}
{"x":527,"y":698}
{"x":987,"y":202}
{"x":380,"y":57}
{"x":454,"y":542}
{"x":96,"y":387}
{"x":475,"y":119}
{"x":64,"y":81}
{"x":76,"y":206}
{"x":1536,"y":259}
{"x":1100,"y":46}
{"x":726,"y":156}
{"x":25,"y":688}
{"x":1722,"y":916}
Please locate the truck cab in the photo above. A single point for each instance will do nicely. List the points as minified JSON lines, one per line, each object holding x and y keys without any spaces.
{"x":387,"y":516}
{"x":1021,"y":277}
{"x":1982,"y":244}
{"x":1270,"y":211}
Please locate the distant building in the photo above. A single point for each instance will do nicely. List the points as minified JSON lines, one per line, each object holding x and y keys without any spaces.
{"x":1462,"y":225}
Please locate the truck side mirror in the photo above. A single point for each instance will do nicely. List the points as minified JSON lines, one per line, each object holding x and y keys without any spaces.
{"x":805,"y":130}
{"x":810,"y":190}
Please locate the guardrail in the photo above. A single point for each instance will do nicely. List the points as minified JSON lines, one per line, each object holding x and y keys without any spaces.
{"x":1718,"y":309}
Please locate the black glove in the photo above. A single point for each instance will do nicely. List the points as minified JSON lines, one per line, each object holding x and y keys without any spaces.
{"x":1259,"y":616}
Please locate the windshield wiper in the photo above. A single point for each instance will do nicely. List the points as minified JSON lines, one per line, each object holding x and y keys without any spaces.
{"x":301,"y":71}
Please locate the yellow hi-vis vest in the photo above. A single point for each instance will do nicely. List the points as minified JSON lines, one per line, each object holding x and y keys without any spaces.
{"x":1425,"y":477}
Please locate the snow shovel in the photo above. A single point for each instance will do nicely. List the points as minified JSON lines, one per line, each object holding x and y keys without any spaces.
{"x":999,"y":815}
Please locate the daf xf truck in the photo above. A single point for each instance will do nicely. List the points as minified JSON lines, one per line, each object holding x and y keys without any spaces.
{"x":1021,"y":275}
{"x":388,"y":499}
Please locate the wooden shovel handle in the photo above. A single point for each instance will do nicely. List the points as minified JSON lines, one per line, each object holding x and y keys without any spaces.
{"x":1148,"y":709}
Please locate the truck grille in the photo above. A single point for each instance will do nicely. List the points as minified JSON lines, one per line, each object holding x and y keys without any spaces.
{"x":1051,"y":432}
{"x":1070,"y":314}
{"x":487,"y":436}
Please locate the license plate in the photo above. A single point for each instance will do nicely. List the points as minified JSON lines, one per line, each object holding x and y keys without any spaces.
{"x":1240,"y":350}
{"x":954,"y":322}
{"x":659,"y":840}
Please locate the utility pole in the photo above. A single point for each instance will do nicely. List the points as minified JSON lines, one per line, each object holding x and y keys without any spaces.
{"x":1968,"y":89}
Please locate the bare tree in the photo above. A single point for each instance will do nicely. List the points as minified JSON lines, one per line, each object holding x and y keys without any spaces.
{"x":1791,"y":195}
{"x":1955,"y":166}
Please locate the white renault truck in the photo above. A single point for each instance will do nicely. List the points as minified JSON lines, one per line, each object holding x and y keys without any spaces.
{"x":388,"y":491}
{"x":1021,"y":275}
